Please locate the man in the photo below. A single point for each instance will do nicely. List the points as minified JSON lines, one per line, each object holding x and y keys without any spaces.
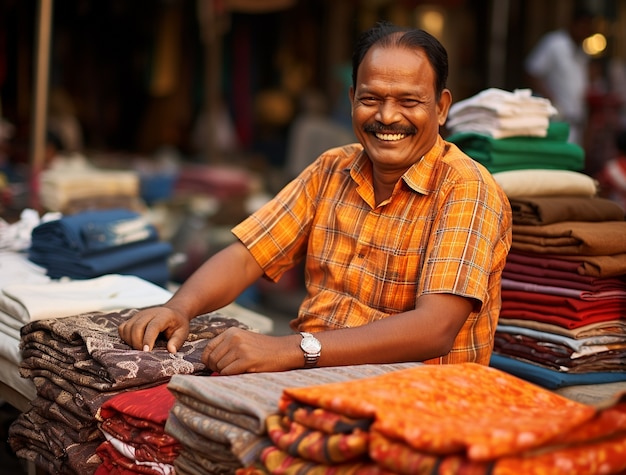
{"x":404,"y":237}
{"x":557,"y":68}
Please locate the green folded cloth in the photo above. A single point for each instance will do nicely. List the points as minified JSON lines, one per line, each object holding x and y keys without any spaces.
{"x":522,"y":152}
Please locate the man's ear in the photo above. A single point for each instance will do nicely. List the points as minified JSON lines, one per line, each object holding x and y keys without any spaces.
{"x":443,"y":106}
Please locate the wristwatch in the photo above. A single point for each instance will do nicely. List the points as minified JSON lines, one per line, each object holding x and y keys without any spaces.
{"x":312,"y":349}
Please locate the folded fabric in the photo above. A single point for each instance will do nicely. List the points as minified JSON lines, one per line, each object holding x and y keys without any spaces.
{"x":571,"y":238}
{"x":534,"y":181}
{"x":133,"y":423}
{"x":519,"y":153}
{"x":609,"y":328}
{"x":499,"y":113}
{"x":79,"y":362}
{"x":552,"y":209}
{"x":592,"y":294}
{"x":222,"y":418}
{"x":580,"y":346}
{"x":63,"y":298}
{"x":94,"y":243}
{"x":549,"y":378}
{"x":590,"y":266}
{"x":60,"y":186}
{"x":425,"y":419}
{"x":92,"y":232}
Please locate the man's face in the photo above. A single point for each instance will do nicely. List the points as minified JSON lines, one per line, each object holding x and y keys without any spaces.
{"x":395,"y":113}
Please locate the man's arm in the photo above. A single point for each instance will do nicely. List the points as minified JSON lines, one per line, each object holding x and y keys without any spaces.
{"x":426,"y":332}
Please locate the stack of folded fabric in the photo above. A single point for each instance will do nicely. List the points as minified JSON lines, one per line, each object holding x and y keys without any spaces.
{"x":563,"y":288}
{"x":94,"y":243}
{"x":72,"y":189}
{"x":511,"y":131}
{"x":434,"y":420}
{"x":15,"y":267}
{"x":77,"y":363}
{"x":220,"y":421}
{"x":133,"y":424}
{"x":498,"y":113}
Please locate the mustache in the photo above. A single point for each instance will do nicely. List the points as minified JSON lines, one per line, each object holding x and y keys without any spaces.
{"x":378,"y":128}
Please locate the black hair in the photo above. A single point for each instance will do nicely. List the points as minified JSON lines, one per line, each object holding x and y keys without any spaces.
{"x":387,"y":34}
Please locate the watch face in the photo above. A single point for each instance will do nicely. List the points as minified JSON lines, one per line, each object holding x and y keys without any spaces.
{"x":310,"y":345}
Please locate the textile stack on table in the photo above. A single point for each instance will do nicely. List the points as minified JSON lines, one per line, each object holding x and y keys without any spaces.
{"x":564,"y":293}
{"x":94,"y":243}
{"x":72,"y":185}
{"x":133,"y":424}
{"x":220,"y":421}
{"x":564,"y":285}
{"x":511,"y":131}
{"x":431,"y":419}
{"x":77,"y":363}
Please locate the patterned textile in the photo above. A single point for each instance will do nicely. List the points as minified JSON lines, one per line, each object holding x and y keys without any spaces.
{"x":134,"y":423}
{"x":436,"y":420}
{"x":78,"y":363}
{"x":447,"y":215}
{"x":220,"y":420}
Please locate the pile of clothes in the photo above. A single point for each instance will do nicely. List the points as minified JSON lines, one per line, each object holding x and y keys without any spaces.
{"x":94,"y":243}
{"x":511,"y":131}
{"x":79,"y":362}
{"x":433,"y":419}
{"x":499,"y":114}
{"x":564,"y":292}
{"x":221,"y":421}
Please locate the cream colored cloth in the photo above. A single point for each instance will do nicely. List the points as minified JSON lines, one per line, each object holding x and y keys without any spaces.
{"x":64,"y":298}
{"x":537,"y":182}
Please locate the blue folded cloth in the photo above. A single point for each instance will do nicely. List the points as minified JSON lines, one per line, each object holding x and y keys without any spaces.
{"x":92,"y":232}
{"x":549,"y":378}
{"x":95,"y":243}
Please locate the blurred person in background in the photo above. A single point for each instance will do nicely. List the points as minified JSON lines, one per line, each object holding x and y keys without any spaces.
{"x":557,"y":69}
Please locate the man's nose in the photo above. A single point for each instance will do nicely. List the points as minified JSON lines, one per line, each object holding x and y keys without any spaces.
{"x":388,"y":112}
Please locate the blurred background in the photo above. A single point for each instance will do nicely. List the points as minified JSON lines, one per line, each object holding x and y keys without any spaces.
{"x":249,"y":90}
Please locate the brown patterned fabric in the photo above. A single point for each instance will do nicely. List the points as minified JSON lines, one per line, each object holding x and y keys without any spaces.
{"x":79,"y":362}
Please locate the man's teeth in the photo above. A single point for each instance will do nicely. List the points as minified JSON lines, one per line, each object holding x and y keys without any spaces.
{"x":390,"y":137}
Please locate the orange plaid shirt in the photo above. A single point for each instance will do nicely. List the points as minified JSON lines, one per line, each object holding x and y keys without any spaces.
{"x":445,"y":229}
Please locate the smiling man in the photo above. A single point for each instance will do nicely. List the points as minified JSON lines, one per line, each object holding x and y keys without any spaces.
{"x":403,"y":236}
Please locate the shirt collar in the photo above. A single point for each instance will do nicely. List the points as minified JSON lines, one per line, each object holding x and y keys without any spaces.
{"x":417,"y":177}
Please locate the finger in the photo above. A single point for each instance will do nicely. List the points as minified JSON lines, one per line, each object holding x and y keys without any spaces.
{"x":148,"y":336}
{"x":176,"y":340}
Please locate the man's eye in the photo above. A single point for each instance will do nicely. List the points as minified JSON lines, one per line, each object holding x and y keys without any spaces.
{"x":409,"y":102}
{"x":368,"y":101}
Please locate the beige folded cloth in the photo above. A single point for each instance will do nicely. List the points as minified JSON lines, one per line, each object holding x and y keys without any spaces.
{"x":535,"y":182}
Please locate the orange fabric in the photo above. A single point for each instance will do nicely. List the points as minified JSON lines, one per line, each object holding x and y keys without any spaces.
{"x":479,"y":414}
{"x":446,"y":229}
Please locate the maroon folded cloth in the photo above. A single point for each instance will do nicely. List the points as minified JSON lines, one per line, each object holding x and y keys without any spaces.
{"x":595,"y":266}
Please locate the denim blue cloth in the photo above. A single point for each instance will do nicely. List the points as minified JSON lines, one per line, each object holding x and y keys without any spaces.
{"x":91,"y":232}
{"x":95,"y":243}
{"x":549,"y":378}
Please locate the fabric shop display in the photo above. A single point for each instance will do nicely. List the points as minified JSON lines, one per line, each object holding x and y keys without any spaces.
{"x":71,"y":189}
{"x":221,"y":421}
{"x":434,"y":420}
{"x":79,"y":362}
{"x":94,"y":243}
{"x":514,"y":153}
{"x":133,"y":424}
{"x":498,"y":113}
{"x":530,"y":183}
{"x":563,"y":316}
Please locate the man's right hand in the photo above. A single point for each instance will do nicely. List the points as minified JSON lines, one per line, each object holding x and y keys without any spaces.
{"x":142,"y":330}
